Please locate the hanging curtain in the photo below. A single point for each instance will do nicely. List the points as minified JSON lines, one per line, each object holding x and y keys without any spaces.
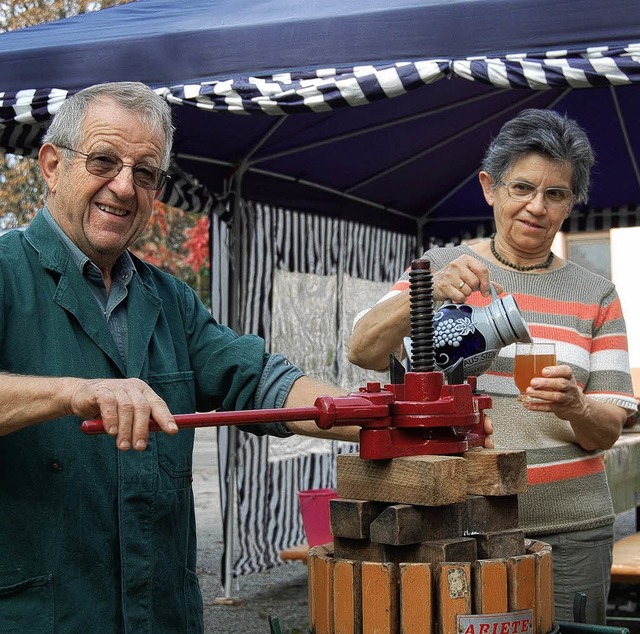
{"x":281,"y":250}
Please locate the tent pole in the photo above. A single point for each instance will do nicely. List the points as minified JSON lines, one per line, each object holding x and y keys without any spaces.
{"x":234,"y":322}
{"x":229,"y":536}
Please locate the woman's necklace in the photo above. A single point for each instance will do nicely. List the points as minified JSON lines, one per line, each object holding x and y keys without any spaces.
{"x":532,"y":267}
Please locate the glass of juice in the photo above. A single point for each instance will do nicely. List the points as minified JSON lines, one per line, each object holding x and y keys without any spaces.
{"x":529,"y":360}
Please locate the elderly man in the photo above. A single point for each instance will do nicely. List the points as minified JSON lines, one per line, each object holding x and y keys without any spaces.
{"x":94,"y":539}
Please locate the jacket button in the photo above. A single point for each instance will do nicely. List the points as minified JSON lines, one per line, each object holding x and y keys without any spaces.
{"x":56,"y":466}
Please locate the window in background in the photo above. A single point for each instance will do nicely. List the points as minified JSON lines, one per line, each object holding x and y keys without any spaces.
{"x":624,"y":273}
{"x":591,"y":250}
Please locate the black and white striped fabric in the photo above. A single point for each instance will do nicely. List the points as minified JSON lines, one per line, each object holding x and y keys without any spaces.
{"x":272,"y":239}
{"x":24,"y":115}
{"x":331,"y":88}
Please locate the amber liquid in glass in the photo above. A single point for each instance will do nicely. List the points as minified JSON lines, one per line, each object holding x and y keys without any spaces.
{"x":528,"y":366}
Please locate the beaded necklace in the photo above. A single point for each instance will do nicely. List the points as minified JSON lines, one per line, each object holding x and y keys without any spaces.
{"x":532,"y":267}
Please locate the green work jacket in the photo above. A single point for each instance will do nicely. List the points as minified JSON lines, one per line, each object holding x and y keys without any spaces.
{"x":93,"y":539}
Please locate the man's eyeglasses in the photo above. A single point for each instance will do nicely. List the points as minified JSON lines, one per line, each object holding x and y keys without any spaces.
{"x":109,"y":166}
{"x":556,"y":197}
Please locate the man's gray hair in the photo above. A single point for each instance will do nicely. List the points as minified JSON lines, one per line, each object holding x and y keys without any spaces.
{"x":544,"y":132}
{"x":66,"y":129}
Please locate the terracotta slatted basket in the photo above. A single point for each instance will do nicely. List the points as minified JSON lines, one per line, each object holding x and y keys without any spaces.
{"x":347,"y":597}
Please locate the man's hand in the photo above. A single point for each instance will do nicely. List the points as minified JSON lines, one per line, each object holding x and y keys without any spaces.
{"x":125,"y":406}
{"x":488,"y":431}
{"x":304,"y":393}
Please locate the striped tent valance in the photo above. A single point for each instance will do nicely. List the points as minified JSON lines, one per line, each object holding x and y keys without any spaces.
{"x":24,"y":114}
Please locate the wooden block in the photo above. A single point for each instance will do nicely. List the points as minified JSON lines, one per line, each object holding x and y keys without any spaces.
{"x":313,"y":555}
{"x":544,"y":612}
{"x":295,"y":553}
{"x":358,"y":549}
{"x":409,"y":553}
{"x":380,"y":598}
{"x":500,"y":544}
{"x":352,"y":518}
{"x":311,"y":591}
{"x":322,"y":550}
{"x":534,"y":546}
{"x":416,"y":599}
{"x":453,"y":595}
{"x":626,"y":560}
{"x":422,"y":480}
{"x":490,"y":587}
{"x":488,"y":513}
{"x":496,"y":472}
{"x":450,"y":550}
{"x":409,"y":524}
{"x":321,"y":594}
{"x":365,"y":550}
{"x":347,"y":597}
{"x":521,"y":583}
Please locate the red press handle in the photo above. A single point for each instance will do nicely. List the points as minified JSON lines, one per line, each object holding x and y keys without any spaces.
{"x":327,"y":412}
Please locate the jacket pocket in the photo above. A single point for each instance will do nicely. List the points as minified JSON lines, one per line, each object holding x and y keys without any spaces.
{"x":27,"y":607}
{"x":175,"y":451}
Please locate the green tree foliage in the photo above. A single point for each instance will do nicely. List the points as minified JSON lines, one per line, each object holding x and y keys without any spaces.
{"x":21,"y":186}
{"x":175,"y":241}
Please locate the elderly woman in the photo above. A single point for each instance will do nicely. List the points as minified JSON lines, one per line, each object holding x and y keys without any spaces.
{"x":532,"y":174}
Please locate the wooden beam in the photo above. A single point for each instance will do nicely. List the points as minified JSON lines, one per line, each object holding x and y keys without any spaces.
{"x":402,"y":524}
{"x":422,"y":480}
{"x":496,"y":471}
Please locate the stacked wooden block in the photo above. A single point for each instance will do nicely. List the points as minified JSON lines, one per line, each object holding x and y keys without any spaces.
{"x":423,"y":539}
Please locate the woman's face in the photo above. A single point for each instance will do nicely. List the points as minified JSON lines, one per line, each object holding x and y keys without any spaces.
{"x":529,"y":228}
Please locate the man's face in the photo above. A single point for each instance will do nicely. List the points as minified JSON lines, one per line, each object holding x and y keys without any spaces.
{"x":103,"y":216}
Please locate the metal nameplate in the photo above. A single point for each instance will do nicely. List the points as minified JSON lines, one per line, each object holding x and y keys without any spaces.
{"x":506,"y":623}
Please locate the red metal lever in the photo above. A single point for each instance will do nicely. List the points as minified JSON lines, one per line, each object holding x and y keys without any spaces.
{"x":327,"y":412}
{"x":421,"y":416}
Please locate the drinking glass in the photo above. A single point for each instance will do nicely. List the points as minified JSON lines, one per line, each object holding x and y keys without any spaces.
{"x":529,"y":360}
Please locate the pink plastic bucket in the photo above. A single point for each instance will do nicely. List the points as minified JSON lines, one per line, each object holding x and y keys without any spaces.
{"x":314,"y":507}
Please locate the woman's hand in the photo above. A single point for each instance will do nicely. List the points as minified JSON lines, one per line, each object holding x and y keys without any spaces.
{"x":596,"y":425}
{"x":557,"y":391}
{"x":460,"y":278}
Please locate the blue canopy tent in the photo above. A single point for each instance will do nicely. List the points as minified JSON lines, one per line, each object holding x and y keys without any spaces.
{"x":409,"y":162}
{"x":375,"y":112}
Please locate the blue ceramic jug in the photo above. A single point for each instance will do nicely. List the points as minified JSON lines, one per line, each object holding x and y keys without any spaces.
{"x":476,"y":334}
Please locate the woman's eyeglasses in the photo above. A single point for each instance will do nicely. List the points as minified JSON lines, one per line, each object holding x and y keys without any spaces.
{"x":109,"y":166}
{"x":558,"y":197}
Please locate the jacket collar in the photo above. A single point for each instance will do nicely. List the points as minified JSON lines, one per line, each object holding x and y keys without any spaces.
{"x":53,"y":254}
{"x":73,"y":294}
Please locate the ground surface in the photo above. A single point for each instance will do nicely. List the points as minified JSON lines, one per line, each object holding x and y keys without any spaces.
{"x":281,"y":592}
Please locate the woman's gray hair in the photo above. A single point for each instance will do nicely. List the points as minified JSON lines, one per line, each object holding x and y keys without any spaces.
{"x":67,"y":126}
{"x":543,"y":132}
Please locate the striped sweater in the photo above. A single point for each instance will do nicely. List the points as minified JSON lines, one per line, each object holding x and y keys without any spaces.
{"x":581,"y":312}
